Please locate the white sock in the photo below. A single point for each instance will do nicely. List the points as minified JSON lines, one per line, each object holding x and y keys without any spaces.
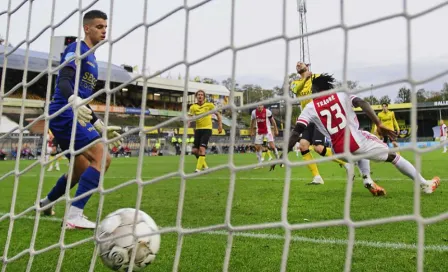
{"x":57,"y":164}
{"x":276,"y":153}
{"x":406,"y":168}
{"x":74,"y":212}
{"x":364,"y":168}
{"x":259,"y":156}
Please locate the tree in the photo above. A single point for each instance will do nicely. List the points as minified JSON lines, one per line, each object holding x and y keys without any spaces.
{"x":432,"y":96}
{"x":208,"y":80}
{"x":372,"y":100}
{"x":421,"y":95}
{"x":228,"y":83}
{"x":255,"y":93}
{"x":404,"y":95}
{"x":385,"y":99}
{"x":352,"y":85}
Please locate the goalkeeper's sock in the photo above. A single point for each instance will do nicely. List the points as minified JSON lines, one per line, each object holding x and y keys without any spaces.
{"x":328,"y":153}
{"x":269,"y":154}
{"x":406,"y":168}
{"x":89,"y":180}
{"x":263,"y":154}
{"x":306,"y":155}
{"x":57,"y":191}
{"x":200,"y":162}
{"x":204,"y":164}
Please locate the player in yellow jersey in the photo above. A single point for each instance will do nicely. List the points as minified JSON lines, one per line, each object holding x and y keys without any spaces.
{"x":203,"y":130}
{"x":311,"y":135}
{"x":387,"y":117}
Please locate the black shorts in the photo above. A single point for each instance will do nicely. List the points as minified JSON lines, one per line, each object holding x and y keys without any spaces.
{"x":386,"y":139}
{"x":312,"y":135}
{"x":201,"y":137}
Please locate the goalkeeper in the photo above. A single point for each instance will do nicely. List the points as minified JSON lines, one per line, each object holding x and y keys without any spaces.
{"x":311,"y":135}
{"x":87,"y":164}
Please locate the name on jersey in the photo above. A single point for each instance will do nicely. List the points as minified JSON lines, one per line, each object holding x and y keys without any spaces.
{"x":325,"y":101}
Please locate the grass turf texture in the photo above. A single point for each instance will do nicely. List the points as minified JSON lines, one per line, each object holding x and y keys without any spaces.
{"x":258,"y":199}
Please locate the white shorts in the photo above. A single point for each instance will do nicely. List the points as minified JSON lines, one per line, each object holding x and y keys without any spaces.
{"x":442,"y":138}
{"x":49,"y":150}
{"x":259,"y":138}
{"x":370,"y":144}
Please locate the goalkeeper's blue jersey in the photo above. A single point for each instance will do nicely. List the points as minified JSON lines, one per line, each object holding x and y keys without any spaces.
{"x":87,"y":77}
{"x":61,"y":125}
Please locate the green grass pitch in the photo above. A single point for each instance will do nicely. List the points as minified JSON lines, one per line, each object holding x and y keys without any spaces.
{"x":258,"y":199}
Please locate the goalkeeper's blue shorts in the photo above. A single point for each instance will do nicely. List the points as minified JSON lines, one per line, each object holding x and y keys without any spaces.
{"x":61,"y":127}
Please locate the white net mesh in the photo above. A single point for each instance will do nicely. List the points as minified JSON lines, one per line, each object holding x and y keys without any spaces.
{"x":226,"y":227}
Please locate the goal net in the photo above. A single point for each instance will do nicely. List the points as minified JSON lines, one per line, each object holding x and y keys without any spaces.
{"x":228,"y":217}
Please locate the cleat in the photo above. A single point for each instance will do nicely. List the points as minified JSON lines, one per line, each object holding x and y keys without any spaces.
{"x":432,"y":185}
{"x":197,"y":171}
{"x":204,"y":168}
{"x":79,"y":222}
{"x":317,"y":180}
{"x":270,"y":159}
{"x":47,"y":212}
{"x":375,"y":189}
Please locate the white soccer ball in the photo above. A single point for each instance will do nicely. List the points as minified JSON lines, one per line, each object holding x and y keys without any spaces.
{"x":116,"y":253}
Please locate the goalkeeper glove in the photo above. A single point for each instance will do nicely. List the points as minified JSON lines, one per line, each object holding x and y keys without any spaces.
{"x":84,"y":113}
{"x":111,"y":132}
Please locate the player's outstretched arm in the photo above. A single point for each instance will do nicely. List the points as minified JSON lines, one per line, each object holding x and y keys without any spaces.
{"x":66,"y":76}
{"x":272,"y":119}
{"x":367,"y":109}
{"x":252,"y":124}
{"x":218,"y":115}
{"x":394,"y":120}
{"x":293,"y":139}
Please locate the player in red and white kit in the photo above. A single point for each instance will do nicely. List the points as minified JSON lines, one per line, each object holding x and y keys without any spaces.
{"x":443,"y":134}
{"x":262,"y":118}
{"x":51,"y":152}
{"x":333,"y":114}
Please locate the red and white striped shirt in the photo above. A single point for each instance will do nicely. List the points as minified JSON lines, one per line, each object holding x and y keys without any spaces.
{"x":332,"y":115}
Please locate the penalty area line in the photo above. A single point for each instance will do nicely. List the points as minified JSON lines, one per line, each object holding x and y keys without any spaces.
{"x":294,"y":238}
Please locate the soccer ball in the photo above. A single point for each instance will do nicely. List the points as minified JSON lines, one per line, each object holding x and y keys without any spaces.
{"x":116,"y":252}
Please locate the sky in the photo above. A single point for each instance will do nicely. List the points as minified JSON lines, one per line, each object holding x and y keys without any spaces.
{"x":377,"y":53}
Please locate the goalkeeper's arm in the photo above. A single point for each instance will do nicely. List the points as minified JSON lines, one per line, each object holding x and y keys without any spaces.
{"x":66,"y":76}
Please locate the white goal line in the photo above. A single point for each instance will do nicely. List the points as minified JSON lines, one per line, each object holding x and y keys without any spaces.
{"x":382,"y":179}
{"x":295,"y":238}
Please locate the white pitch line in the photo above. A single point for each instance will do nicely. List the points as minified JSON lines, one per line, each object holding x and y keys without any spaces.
{"x":239,"y":178}
{"x":322,"y":241}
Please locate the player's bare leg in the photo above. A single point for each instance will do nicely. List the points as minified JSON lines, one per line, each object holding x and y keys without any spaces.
{"x":327,"y":152}
{"x":406,"y":168}
{"x":306,"y":155}
{"x":258,"y":152}
{"x":274,"y":148}
{"x":364,"y":168}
